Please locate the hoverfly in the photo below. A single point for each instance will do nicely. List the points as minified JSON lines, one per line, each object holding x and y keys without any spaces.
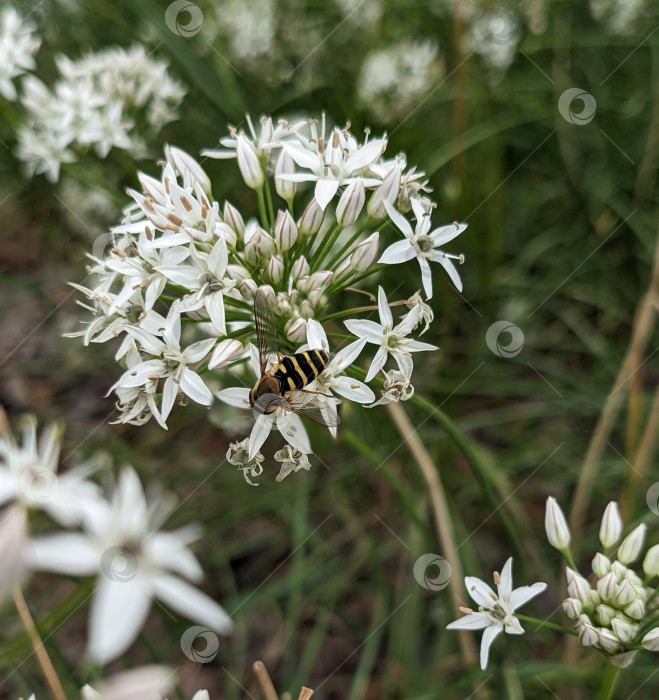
{"x":282,"y":386}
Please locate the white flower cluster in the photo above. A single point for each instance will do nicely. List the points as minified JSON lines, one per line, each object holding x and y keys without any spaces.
{"x":178,"y":287}
{"x":115,"y":98}
{"x":18,"y":44}
{"x":118,"y":541}
{"x":395,"y":79}
{"x":617,"y":610}
{"x":620,"y":16}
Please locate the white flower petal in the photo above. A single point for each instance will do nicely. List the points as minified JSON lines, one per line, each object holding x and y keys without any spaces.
{"x":447,"y":264}
{"x":489,"y":635}
{"x":363,"y":328}
{"x":347,"y":355}
{"x":398,"y":252}
{"x":472,"y":621}
{"x":444,"y":234}
{"x":316,"y":336}
{"x":193,"y":386}
{"x":169,"y":392}
{"x":378,"y":363}
{"x":235,"y":396}
{"x":64,"y":553}
{"x":291,"y":427}
{"x":426,"y":277}
{"x":302,"y":156}
{"x":401,"y":222}
{"x":191,"y":602}
{"x":520,"y":596}
{"x":386,"y":318}
{"x":353,"y":389}
{"x":262,"y":427}
{"x":479,"y":591}
{"x":505,"y":585}
{"x":325,"y":191}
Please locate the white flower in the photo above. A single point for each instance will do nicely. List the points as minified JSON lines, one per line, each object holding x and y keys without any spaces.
{"x":391,"y":339}
{"x":334,"y":162}
{"x":18,"y":43}
{"x":397,"y":387}
{"x":422,"y":243}
{"x":288,"y":423}
{"x":495,"y":610}
{"x":171,"y":365}
{"x":151,"y":682}
{"x":611,"y":527}
{"x":292,"y":461}
{"x":134,"y":562}
{"x":556,"y":527}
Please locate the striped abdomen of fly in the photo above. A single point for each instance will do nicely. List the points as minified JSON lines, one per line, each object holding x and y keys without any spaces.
{"x":296,"y":371}
{"x":293,"y":372}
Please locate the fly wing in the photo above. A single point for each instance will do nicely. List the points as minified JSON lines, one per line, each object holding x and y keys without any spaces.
{"x":317,"y":407}
{"x":266,"y":331}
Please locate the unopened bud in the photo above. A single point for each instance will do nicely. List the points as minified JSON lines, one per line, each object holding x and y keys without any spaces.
{"x":366,"y":253}
{"x":226,"y":233}
{"x":274,"y":270}
{"x":606,"y":587}
{"x":283,"y":304}
{"x":260,"y":246}
{"x":317,"y":299}
{"x":635,"y":610}
{"x":623,"y":630}
{"x":296,"y":330}
{"x":556,"y":527}
{"x":285,"y":166}
{"x":605,"y":613}
{"x":577,"y":586}
{"x":247,"y":289}
{"x":631,"y":546}
{"x":311,"y":219}
{"x":651,"y":561}
{"x":233,"y":219}
{"x":601,"y":565}
{"x":306,"y":310}
{"x":572,"y":607}
{"x":607,"y":640}
{"x":611,"y":527}
{"x":351,"y":203}
{"x":386,"y":191}
{"x":587,"y":634}
{"x":237,"y":273}
{"x":651,"y":640}
{"x":268,"y":293}
{"x":300,"y":268}
{"x":285,"y":231}
{"x":625,"y":593}
{"x":320,"y":279}
{"x":225,"y":351}
{"x":619,"y":570}
{"x":343,"y":271}
{"x":248,"y":163}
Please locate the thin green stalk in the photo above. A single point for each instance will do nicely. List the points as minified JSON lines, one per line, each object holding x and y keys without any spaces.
{"x":545,"y":623}
{"x":609,"y":682}
{"x":263,"y":211}
{"x":268,"y":198}
{"x":333,"y":289}
{"x":325,"y":244}
{"x":339,"y":257}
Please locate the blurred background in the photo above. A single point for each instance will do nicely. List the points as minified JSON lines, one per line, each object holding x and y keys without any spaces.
{"x":537,"y":123}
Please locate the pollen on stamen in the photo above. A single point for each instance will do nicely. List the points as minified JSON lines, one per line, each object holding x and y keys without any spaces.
{"x":186,"y":204}
{"x":118,"y":252}
{"x":466,"y":611}
{"x":496,"y":577}
{"x":175,"y":219}
{"x":149,"y":233}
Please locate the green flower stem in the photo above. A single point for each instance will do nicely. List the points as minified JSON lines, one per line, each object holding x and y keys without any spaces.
{"x":609,"y":682}
{"x":325,"y":245}
{"x":339,"y":257}
{"x":544,"y":623}
{"x":567,"y":555}
{"x":268,"y":198}
{"x":263,"y":212}
{"x":353,"y":280}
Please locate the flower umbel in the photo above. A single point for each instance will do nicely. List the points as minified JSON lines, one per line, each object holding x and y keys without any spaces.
{"x":495,"y":612}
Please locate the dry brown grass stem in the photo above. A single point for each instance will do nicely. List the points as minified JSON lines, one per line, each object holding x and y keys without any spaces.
{"x":39,"y":649}
{"x":442,"y":520}
{"x":268,"y":688}
{"x":642,"y":327}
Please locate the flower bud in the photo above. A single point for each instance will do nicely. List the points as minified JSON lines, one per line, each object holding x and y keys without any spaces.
{"x":320,"y":279}
{"x":285,"y":231}
{"x":247,"y":289}
{"x":249,"y":164}
{"x":296,"y":330}
{"x":651,"y":640}
{"x":593,"y":600}
{"x":269,"y":295}
{"x":605,"y":613}
{"x":283,"y":304}
{"x":311,"y":219}
{"x":226,"y":233}
{"x":623,"y":630}
{"x":274,"y":270}
{"x":611,"y":527}
{"x":572,"y":607}
{"x":606,"y":586}
{"x":285,"y":166}
{"x":631,"y":546}
{"x":619,"y":570}
{"x":607,"y":640}
{"x":577,"y":586}
{"x":233,"y":219}
{"x":601,"y":565}
{"x":625,"y":593}
{"x":351,"y":203}
{"x":225,"y":351}
{"x":300,"y":268}
{"x":183,"y":162}
{"x":317,"y":299}
{"x":260,"y":246}
{"x":556,"y":527}
{"x":343,"y":271}
{"x":623,"y":660}
{"x":306,"y":310}
{"x":651,"y":561}
{"x":366,"y":253}
{"x":387,"y":191}
{"x":237,"y":273}
{"x":587,"y":634}
{"x":635,"y":610}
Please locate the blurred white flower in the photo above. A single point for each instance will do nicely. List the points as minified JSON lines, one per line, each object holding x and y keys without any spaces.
{"x":135,"y":562}
{"x":18,"y":44}
{"x":148,"y":682}
{"x":495,"y":610}
{"x":391,"y":339}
